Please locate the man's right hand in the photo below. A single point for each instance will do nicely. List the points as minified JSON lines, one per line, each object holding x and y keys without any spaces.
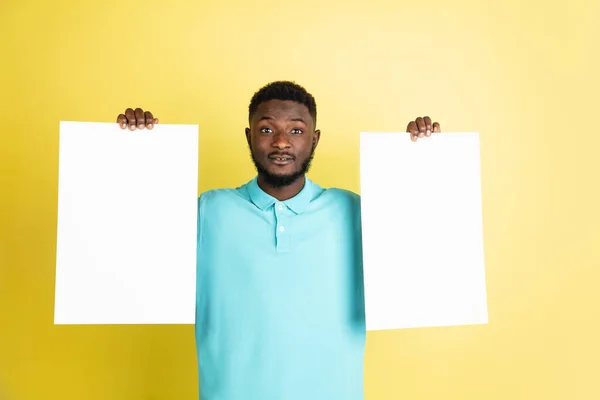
{"x":137,"y":118}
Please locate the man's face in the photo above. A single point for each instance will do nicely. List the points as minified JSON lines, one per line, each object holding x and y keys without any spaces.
{"x":282,"y":140}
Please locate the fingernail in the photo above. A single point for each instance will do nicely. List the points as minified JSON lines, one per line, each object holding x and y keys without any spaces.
{"x":150,"y":126}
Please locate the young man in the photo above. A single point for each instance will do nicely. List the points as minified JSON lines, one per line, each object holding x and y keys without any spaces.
{"x":280,"y":310}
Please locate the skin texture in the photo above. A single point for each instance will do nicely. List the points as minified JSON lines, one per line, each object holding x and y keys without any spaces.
{"x":422,"y":127}
{"x":136,"y":119}
{"x":282,"y":129}
{"x":279,"y":129}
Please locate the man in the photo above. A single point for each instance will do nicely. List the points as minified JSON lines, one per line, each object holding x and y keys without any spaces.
{"x":279,"y":309}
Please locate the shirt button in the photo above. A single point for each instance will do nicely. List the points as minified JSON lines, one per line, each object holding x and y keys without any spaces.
{"x":280,"y":207}
{"x":281,"y":229}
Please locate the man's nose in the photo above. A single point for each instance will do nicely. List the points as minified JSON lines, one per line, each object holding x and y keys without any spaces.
{"x":281,"y":141}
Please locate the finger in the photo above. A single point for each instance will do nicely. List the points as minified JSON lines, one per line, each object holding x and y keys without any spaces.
{"x":428,"y":129}
{"x":414,"y":131}
{"x":130,"y":115}
{"x":149,"y":120}
{"x":122,"y":121}
{"x":155,"y":121}
{"x":436,"y":127}
{"x":421,"y":126}
{"x":139,"y":118}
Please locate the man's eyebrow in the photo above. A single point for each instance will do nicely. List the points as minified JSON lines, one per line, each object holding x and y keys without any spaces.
{"x":296,"y":119}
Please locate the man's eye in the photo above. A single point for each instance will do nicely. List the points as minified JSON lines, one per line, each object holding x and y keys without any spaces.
{"x":297,"y":131}
{"x":266,"y":130}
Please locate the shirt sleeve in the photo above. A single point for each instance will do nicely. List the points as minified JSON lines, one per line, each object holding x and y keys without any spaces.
{"x":200,"y":221}
{"x":199,"y":237}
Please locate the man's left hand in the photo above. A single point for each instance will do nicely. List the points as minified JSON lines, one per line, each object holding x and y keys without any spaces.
{"x":422,"y":127}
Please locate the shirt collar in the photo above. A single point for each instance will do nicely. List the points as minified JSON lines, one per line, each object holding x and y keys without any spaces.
{"x":298,"y":204}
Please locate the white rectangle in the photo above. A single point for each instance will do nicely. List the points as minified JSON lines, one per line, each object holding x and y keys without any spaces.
{"x":422,"y":230}
{"x":127,"y":221}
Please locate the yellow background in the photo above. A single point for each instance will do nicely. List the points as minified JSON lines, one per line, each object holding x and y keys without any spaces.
{"x":524,"y":74}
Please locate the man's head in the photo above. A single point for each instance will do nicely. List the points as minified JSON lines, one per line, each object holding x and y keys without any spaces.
{"x":282,"y":135}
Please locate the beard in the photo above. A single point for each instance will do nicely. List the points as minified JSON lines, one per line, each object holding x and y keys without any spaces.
{"x":282,"y":180}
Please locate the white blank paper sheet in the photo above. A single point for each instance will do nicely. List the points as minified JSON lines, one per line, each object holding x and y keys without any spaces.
{"x":422,"y":230}
{"x":127,"y":220}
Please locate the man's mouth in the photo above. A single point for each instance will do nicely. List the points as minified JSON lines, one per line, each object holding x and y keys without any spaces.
{"x":281,"y":159}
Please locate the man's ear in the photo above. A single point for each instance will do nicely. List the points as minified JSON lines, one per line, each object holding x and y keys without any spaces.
{"x":316,"y":137}
{"x":248,"y":136}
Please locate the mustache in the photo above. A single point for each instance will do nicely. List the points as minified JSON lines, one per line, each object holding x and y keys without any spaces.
{"x":280,"y":154}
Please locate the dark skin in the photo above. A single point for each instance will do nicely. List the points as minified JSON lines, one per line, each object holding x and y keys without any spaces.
{"x":281,"y":136}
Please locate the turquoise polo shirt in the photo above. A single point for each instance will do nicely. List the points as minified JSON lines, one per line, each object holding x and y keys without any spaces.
{"x":280,"y":304}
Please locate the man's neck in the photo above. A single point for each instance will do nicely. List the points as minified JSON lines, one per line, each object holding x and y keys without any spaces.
{"x":282,"y":193}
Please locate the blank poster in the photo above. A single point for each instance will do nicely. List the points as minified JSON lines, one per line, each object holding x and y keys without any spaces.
{"x":127,"y":220}
{"x":422,"y":230}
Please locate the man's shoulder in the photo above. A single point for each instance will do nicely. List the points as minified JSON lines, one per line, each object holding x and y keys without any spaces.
{"x":219,"y":193}
{"x":223,"y":195}
{"x":343,"y":193}
{"x":343,"y":197}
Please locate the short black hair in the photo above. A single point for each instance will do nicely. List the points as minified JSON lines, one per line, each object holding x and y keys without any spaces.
{"x":283,"y":90}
